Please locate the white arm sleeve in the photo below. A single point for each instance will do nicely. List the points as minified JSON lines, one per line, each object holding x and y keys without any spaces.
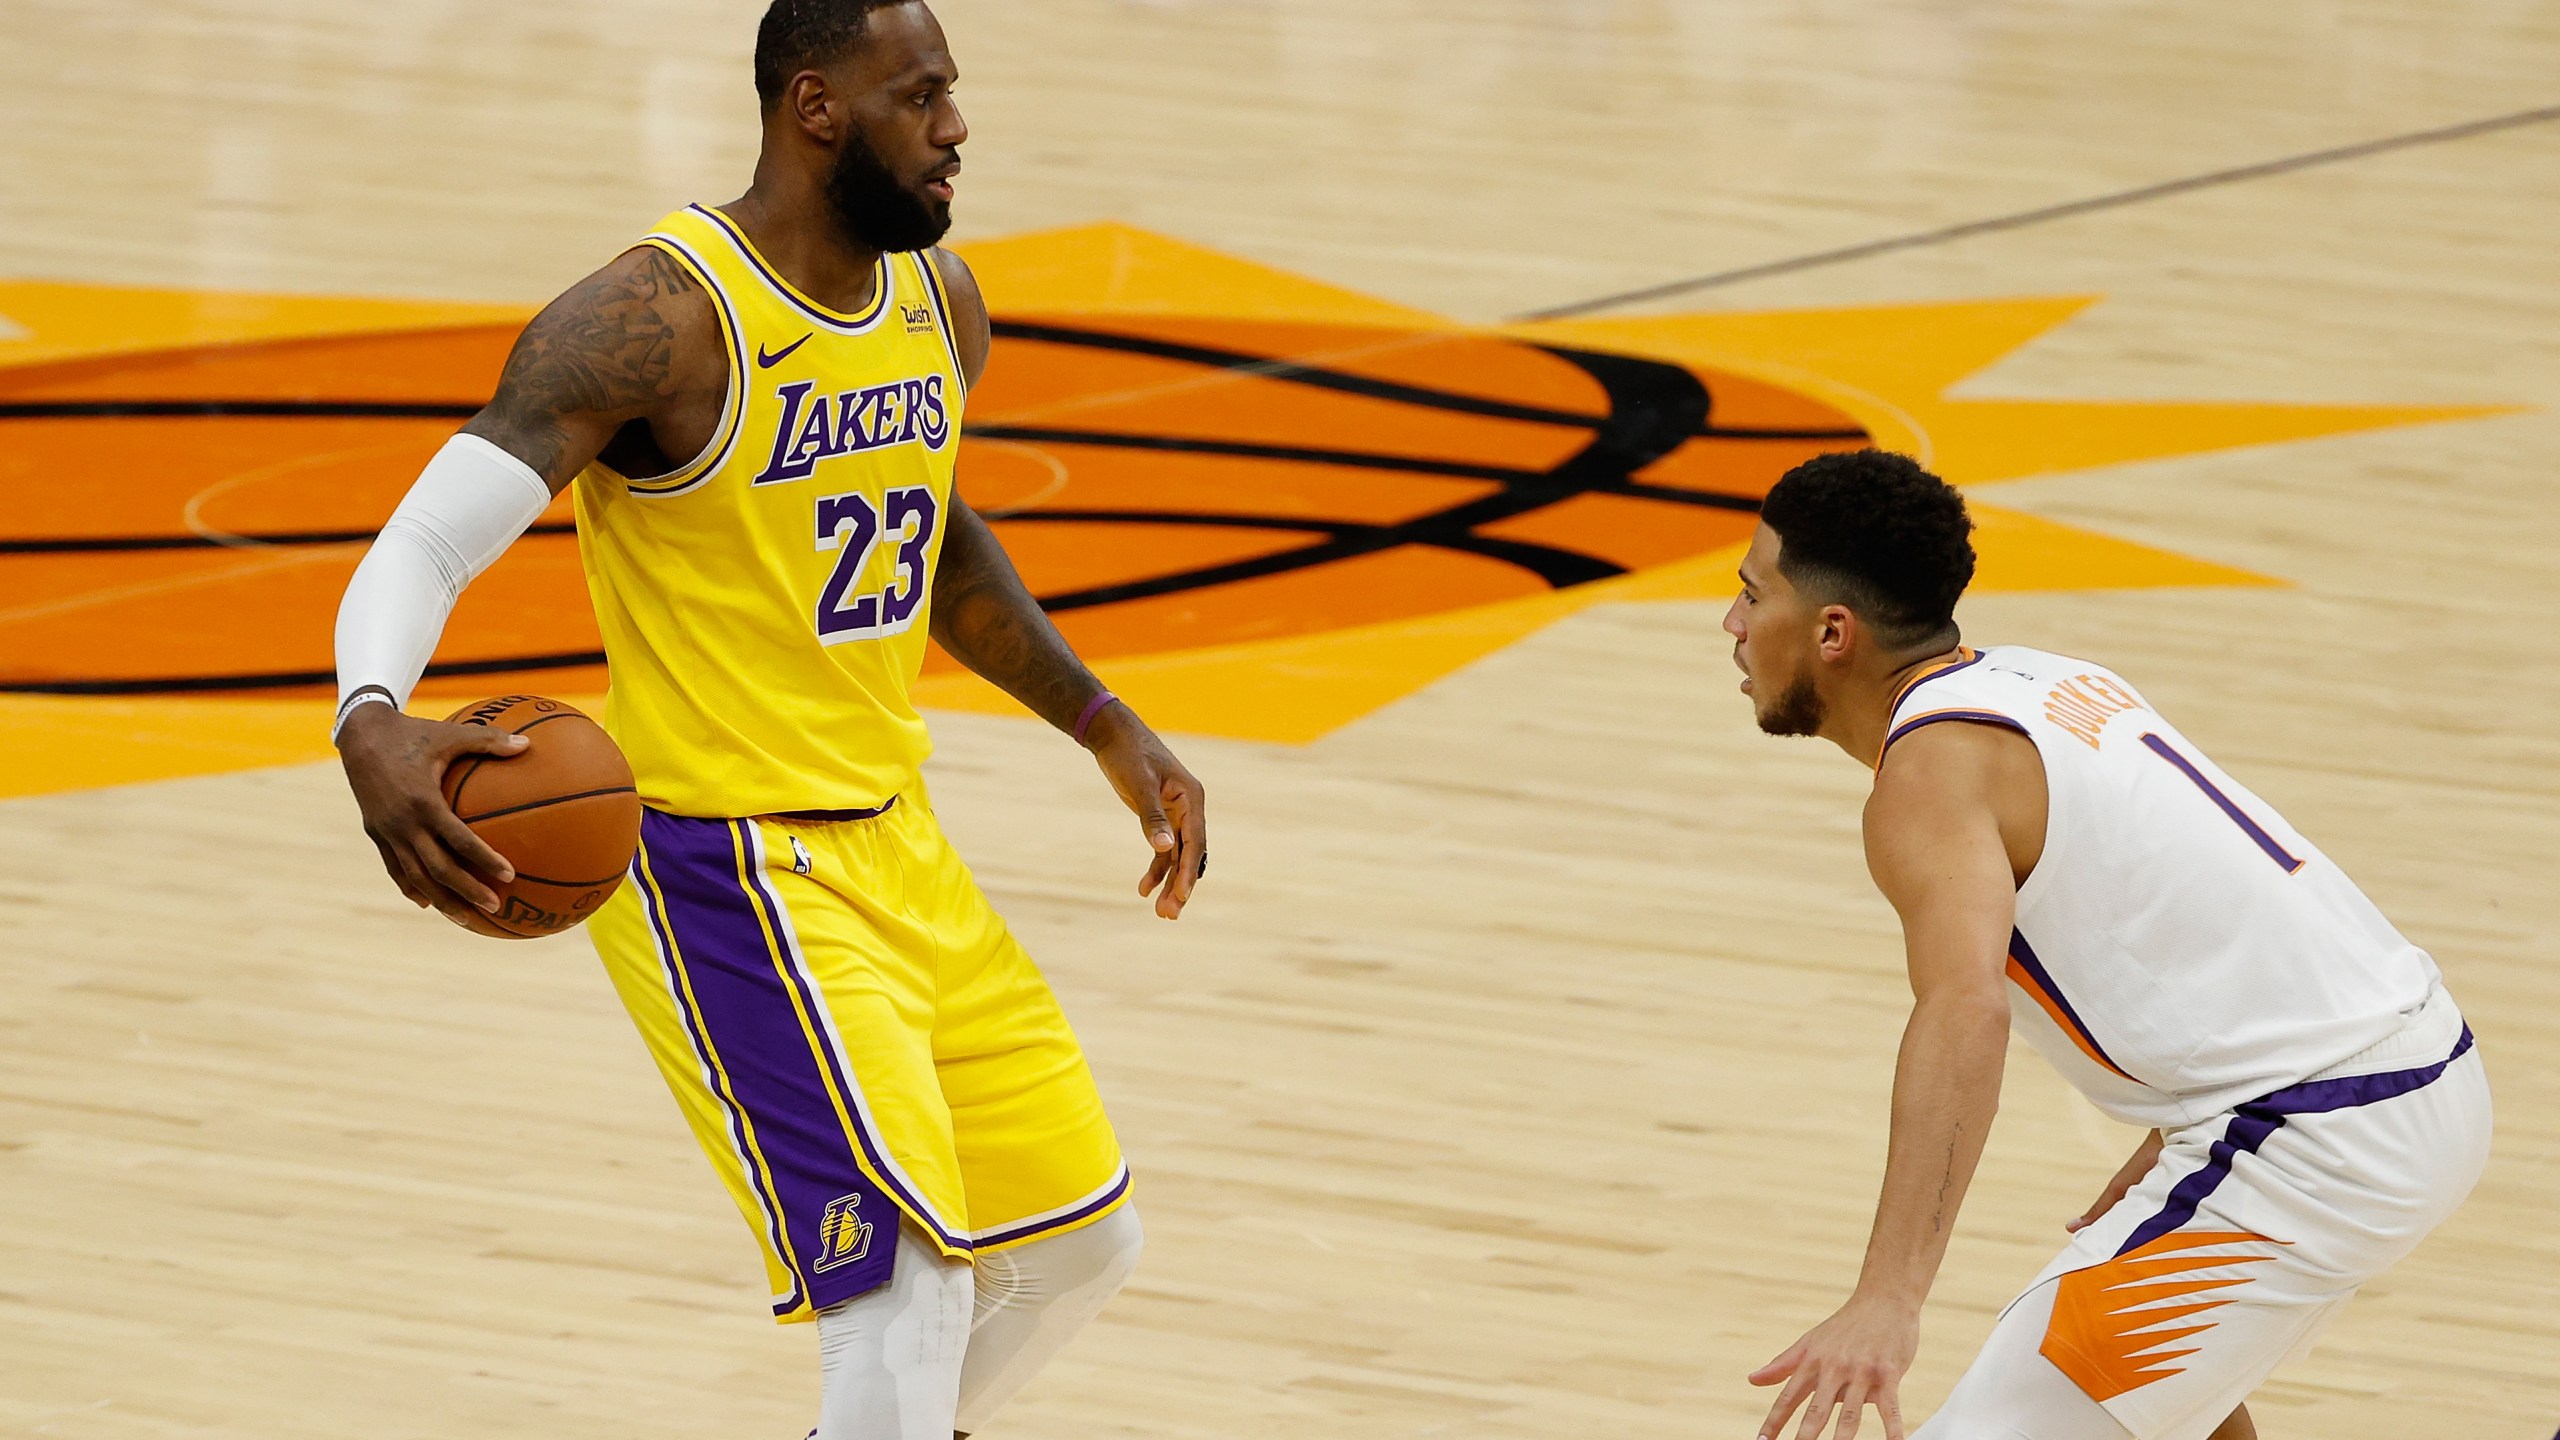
{"x":469,"y":505}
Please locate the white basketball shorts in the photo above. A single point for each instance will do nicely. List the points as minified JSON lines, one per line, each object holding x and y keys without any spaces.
{"x":2251,"y":1232}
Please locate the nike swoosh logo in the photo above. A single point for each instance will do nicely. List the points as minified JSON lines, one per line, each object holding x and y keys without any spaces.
{"x":767,"y":362}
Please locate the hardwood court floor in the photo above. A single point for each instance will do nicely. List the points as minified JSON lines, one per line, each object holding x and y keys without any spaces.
{"x":1521,"y":1072}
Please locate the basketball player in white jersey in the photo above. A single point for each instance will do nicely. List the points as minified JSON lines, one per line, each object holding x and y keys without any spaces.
{"x":2065,"y":862}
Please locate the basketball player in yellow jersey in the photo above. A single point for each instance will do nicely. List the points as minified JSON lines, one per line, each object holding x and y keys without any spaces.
{"x":759,"y":405}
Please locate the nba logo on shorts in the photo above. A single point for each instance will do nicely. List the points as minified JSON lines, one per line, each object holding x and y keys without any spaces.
{"x":843,"y":1235}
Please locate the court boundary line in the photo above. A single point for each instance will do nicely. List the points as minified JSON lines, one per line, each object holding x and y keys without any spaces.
{"x":2020,"y":219}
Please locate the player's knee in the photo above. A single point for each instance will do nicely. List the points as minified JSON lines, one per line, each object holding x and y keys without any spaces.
{"x":1091,"y":1260}
{"x":1120,"y":1240}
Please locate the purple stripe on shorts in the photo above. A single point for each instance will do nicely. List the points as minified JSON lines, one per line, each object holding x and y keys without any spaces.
{"x":2252,"y":1122}
{"x":827,"y":1055}
{"x":842,"y":1230}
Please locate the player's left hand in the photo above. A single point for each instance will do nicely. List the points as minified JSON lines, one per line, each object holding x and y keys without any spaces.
{"x":1851,"y":1361}
{"x":1167,"y":799}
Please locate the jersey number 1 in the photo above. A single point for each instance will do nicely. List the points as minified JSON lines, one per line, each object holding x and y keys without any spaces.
{"x":2275,"y":849}
{"x":852,"y":526}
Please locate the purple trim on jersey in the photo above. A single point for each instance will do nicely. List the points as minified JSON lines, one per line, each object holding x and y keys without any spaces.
{"x":1984,"y":717}
{"x":745,"y":1012}
{"x":662,"y":486}
{"x":1095,"y":1206}
{"x":1964,"y":664}
{"x":2239,"y":817}
{"x":807,"y":991}
{"x":2025,"y":955}
{"x":841,"y":324}
{"x":2252,"y":1122}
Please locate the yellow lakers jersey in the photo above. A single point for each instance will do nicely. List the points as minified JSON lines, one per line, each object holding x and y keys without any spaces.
{"x":764,"y":607}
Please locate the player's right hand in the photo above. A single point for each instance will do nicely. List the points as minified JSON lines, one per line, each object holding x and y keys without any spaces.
{"x":395,"y":764}
{"x":1855,"y":1359}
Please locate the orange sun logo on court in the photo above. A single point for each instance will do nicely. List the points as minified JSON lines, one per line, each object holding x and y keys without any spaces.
{"x":1262,"y":506}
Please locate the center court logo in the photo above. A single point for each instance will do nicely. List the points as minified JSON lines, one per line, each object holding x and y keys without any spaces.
{"x":843,"y":1235}
{"x":1164,"y":484}
{"x":816,"y":426}
{"x":1290,"y":504}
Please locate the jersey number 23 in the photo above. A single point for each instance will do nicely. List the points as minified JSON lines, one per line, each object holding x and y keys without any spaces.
{"x":855,"y":527}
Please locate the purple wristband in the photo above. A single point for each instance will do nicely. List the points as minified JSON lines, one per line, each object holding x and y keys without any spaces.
{"x":1092,"y":709}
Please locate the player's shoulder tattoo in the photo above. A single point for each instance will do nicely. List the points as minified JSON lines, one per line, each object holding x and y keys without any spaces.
{"x":606,"y":346}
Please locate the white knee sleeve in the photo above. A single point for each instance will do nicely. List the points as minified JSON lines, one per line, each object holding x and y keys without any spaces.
{"x":1033,"y":1299}
{"x":889,"y":1360}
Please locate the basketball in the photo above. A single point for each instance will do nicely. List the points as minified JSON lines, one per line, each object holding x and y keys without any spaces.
{"x":1558,"y":470}
{"x":563,"y":812}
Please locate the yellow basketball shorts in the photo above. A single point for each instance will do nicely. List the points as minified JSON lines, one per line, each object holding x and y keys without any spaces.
{"x":854,"y":1035}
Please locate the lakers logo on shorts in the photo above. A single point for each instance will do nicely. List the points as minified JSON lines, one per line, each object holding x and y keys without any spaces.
{"x":843,"y":1235}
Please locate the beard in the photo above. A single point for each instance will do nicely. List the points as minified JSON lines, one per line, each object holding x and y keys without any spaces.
{"x":876,"y":210}
{"x":1797,"y":710}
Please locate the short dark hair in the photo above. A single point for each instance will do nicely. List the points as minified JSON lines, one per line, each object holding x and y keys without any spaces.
{"x":1874,"y":531}
{"x":797,"y":35}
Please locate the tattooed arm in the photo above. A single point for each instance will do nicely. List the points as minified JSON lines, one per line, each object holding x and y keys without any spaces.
{"x":1956,"y":819}
{"x":629,"y":357}
{"x":636,"y":341}
{"x":986,"y":618}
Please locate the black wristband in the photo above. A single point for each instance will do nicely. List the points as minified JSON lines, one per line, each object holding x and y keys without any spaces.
{"x":359,"y":696}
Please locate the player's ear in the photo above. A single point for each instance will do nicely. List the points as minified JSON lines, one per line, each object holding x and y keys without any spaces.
{"x":813,"y":107}
{"x":1837,"y":633}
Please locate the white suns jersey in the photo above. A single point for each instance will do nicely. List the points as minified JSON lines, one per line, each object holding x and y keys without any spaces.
{"x":2179,"y":949}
